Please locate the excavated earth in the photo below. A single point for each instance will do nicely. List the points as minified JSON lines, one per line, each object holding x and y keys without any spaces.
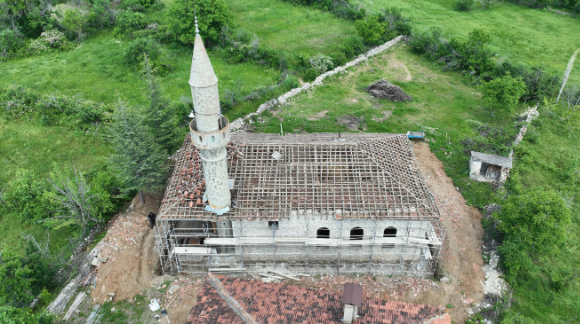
{"x":383,"y":89}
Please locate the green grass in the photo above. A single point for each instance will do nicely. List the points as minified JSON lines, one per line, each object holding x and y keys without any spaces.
{"x":96,"y":71}
{"x":450,"y":112}
{"x":25,"y":144}
{"x":521,"y":34}
{"x":287,"y":27}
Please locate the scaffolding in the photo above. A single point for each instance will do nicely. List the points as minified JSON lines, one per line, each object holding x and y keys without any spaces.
{"x":415,"y":252}
{"x":329,"y":177}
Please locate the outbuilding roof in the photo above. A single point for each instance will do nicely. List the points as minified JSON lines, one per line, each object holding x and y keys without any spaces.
{"x":503,"y":161}
{"x":333,"y":175}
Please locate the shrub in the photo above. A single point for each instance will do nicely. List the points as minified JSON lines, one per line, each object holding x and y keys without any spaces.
{"x":212,"y":15}
{"x":321,"y":63}
{"x":370,"y":29}
{"x":100,"y":14}
{"x":464,"y":5}
{"x":562,"y":277}
{"x":52,"y":39}
{"x":310,"y":75}
{"x":137,"y":5}
{"x":10,"y":43}
{"x":352,"y":47}
{"x":503,"y":93}
{"x":13,"y":315}
{"x":136,"y":51}
{"x":538,"y":218}
{"x":74,"y":22}
{"x":340,"y":59}
{"x":128,"y":22}
{"x":24,"y":196}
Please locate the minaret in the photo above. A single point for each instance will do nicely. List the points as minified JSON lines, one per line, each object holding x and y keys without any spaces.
{"x":209,"y":130}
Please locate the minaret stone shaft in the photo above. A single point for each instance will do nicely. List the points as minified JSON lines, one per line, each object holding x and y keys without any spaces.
{"x":209,"y":129}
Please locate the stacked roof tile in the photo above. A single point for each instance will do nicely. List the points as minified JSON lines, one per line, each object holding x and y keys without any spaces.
{"x":270,"y":303}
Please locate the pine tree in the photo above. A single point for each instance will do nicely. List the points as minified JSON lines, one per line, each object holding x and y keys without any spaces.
{"x":159,"y":116}
{"x":139,"y":161}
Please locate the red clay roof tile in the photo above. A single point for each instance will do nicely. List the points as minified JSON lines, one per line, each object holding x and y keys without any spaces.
{"x":270,"y":303}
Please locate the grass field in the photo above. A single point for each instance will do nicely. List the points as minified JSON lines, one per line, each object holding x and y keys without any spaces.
{"x":96,"y":71}
{"x":451,"y":112}
{"x":283,"y":26}
{"x":25,"y":144}
{"x":521,"y":34}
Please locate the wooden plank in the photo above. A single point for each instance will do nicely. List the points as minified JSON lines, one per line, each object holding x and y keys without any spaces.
{"x":270,"y":276}
{"x":284,"y":275}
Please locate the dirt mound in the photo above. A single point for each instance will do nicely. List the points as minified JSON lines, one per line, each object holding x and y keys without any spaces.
{"x":382,"y":89}
{"x":129,"y":248}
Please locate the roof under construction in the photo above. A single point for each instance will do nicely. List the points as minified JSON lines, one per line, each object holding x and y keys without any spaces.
{"x":361,"y":175}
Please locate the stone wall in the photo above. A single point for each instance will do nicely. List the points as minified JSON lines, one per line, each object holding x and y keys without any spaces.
{"x":240,"y":122}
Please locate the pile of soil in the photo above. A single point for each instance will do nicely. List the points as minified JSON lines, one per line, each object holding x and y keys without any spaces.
{"x":383,"y":89}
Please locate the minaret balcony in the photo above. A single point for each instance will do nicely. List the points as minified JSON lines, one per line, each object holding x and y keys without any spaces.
{"x":212,"y":140}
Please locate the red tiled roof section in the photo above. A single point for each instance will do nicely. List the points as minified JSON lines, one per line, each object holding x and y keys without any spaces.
{"x":270,"y":303}
{"x":210,"y":308}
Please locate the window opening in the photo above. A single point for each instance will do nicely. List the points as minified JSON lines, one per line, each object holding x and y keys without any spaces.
{"x":390,"y":232}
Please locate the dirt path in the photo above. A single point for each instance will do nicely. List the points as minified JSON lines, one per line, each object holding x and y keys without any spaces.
{"x":400,"y":69}
{"x":130,"y":249}
{"x":461,"y":259}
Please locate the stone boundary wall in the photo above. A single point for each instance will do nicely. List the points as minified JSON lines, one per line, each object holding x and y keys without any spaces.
{"x":239,"y":123}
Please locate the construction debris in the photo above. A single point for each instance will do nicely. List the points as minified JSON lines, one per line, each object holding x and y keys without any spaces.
{"x":383,"y":89}
{"x":75,"y":305}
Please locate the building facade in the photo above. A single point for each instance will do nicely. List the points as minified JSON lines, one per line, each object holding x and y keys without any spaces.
{"x":309,"y":203}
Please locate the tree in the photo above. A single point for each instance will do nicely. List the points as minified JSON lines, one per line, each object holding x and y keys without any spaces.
{"x":370,"y":29}
{"x":13,"y":315}
{"x":212,"y":16}
{"x":16,"y":280}
{"x":503,"y":93}
{"x":76,"y":204}
{"x":536,"y":217}
{"x":138,"y":161}
{"x":159,"y":116}
{"x":74,"y":22}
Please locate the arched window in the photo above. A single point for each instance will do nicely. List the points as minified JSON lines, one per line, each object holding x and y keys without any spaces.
{"x":323,"y":232}
{"x":389,"y":232}
{"x":356,"y":233}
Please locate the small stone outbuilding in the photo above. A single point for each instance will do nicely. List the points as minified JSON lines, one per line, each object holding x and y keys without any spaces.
{"x":489,"y":168}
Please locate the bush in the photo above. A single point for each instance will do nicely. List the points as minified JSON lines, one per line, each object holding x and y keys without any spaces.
{"x":310,"y":75}
{"x":10,"y":43}
{"x":22,"y":101}
{"x":352,"y":47}
{"x":539,"y":218}
{"x":136,"y":5}
{"x":370,"y":29}
{"x":339,"y":59}
{"x":503,"y":93}
{"x":321,"y":63}
{"x":128,"y":22}
{"x":136,"y":51}
{"x":212,"y":15}
{"x":74,"y":22}
{"x":13,"y":315}
{"x":100,"y":14}
{"x":24,"y":196}
{"x":464,"y":5}
{"x":52,"y":39}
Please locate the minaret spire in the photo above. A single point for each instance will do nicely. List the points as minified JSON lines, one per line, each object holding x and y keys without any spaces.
{"x":209,"y":129}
